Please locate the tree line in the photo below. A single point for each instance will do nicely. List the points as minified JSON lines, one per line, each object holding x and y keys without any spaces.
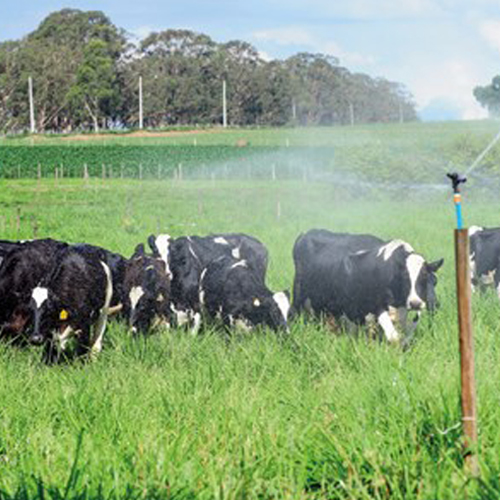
{"x":86,"y":70}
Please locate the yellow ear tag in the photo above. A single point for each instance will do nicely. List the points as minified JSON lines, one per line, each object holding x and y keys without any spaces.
{"x":63,"y":315}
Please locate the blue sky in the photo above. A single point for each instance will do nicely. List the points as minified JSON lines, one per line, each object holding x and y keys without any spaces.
{"x":440,"y":49}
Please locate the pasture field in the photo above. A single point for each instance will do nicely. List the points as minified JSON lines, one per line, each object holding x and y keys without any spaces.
{"x":319,"y":414}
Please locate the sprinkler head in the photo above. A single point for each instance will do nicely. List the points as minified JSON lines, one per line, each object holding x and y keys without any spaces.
{"x":456,"y":180}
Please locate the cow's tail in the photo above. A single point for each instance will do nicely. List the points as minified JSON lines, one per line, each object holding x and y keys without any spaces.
{"x":100,"y":326}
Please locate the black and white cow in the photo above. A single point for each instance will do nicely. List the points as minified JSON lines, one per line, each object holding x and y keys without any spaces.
{"x":235,"y":293}
{"x":73,"y":301}
{"x":485,"y":257}
{"x":189,"y":255}
{"x":147,"y":292}
{"x":358,"y":277}
{"x":23,"y":267}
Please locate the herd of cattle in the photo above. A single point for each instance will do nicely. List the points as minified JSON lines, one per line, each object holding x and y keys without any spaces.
{"x":52,"y":291}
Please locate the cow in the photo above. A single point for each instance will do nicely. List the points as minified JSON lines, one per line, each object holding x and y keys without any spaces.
{"x":189,"y":255}
{"x":72,"y":300}
{"x":235,"y":293}
{"x":485,"y":257}
{"x":146,"y":291}
{"x":21,"y":270}
{"x":357,"y":277}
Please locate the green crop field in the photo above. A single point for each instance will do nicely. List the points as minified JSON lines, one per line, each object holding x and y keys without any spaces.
{"x":317,"y":415}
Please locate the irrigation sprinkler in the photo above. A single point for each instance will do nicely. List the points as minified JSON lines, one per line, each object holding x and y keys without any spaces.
{"x":466,"y":340}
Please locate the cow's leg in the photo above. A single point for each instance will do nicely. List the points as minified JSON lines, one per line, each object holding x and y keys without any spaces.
{"x":196,"y":323}
{"x":64,"y":337}
{"x":391,"y":334}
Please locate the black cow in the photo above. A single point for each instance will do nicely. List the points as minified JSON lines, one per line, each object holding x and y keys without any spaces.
{"x":358,"y":276}
{"x":147,"y":291}
{"x":189,"y":255}
{"x":235,"y":293}
{"x":73,"y":301}
{"x":485,"y":257}
{"x":22,"y":269}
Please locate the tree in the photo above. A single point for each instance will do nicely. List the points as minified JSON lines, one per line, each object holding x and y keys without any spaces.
{"x":95,"y":93}
{"x":489,"y":96}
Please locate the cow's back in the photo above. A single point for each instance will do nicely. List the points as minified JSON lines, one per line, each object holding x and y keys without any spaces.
{"x":319,"y":258}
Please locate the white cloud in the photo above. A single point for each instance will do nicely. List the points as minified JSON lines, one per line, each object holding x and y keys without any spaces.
{"x":453,"y":82}
{"x":290,"y":35}
{"x":295,"y":35}
{"x":490,"y":31}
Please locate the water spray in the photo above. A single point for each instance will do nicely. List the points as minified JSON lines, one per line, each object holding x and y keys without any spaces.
{"x":466,"y":338}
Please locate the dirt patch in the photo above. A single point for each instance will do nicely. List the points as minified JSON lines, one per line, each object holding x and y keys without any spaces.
{"x":138,"y":134}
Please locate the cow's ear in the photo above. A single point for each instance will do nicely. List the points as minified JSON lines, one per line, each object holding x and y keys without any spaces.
{"x":434,"y":266}
{"x":152,"y":245}
{"x":139,"y":251}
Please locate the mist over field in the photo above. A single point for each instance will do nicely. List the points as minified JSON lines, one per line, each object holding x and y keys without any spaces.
{"x":321,"y":414}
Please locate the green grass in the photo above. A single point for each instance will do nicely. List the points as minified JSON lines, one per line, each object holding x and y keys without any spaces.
{"x":318,"y":415}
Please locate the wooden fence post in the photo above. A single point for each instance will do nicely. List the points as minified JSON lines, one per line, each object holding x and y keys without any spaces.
{"x":466,"y":343}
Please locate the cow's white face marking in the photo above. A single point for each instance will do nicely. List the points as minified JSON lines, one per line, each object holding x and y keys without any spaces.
{"x":474,"y":230}
{"x":235,"y":252}
{"x":414,"y":264}
{"x":283,"y":303}
{"x":256,"y":302}
{"x":390,"y":332}
{"x":388,"y":249}
{"x":240,"y":263}
{"x":163,"y":245}
{"x":221,"y":241}
{"x":40,"y":295}
{"x":135,"y":295}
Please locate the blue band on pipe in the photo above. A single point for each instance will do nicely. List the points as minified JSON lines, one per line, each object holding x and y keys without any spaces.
{"x":458,"y":207}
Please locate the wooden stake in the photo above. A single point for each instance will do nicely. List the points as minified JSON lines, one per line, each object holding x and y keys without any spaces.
{"x":466,"y":342}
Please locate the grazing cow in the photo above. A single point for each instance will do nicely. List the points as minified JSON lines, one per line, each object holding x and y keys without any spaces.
{"x":191,"y":254}
{"x":235,"y":293}
{"x":21,"y":270}
{"x":485,"y":257}
{"x":147,"y":292}
{"x":73,"y":301}
{"x":356,"y":277}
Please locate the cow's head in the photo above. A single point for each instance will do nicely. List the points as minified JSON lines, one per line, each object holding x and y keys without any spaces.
{"x":147,"y":290}
{"x":270,"y":310}
{"x":421,"y":282}
{"x":48,"y":316}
